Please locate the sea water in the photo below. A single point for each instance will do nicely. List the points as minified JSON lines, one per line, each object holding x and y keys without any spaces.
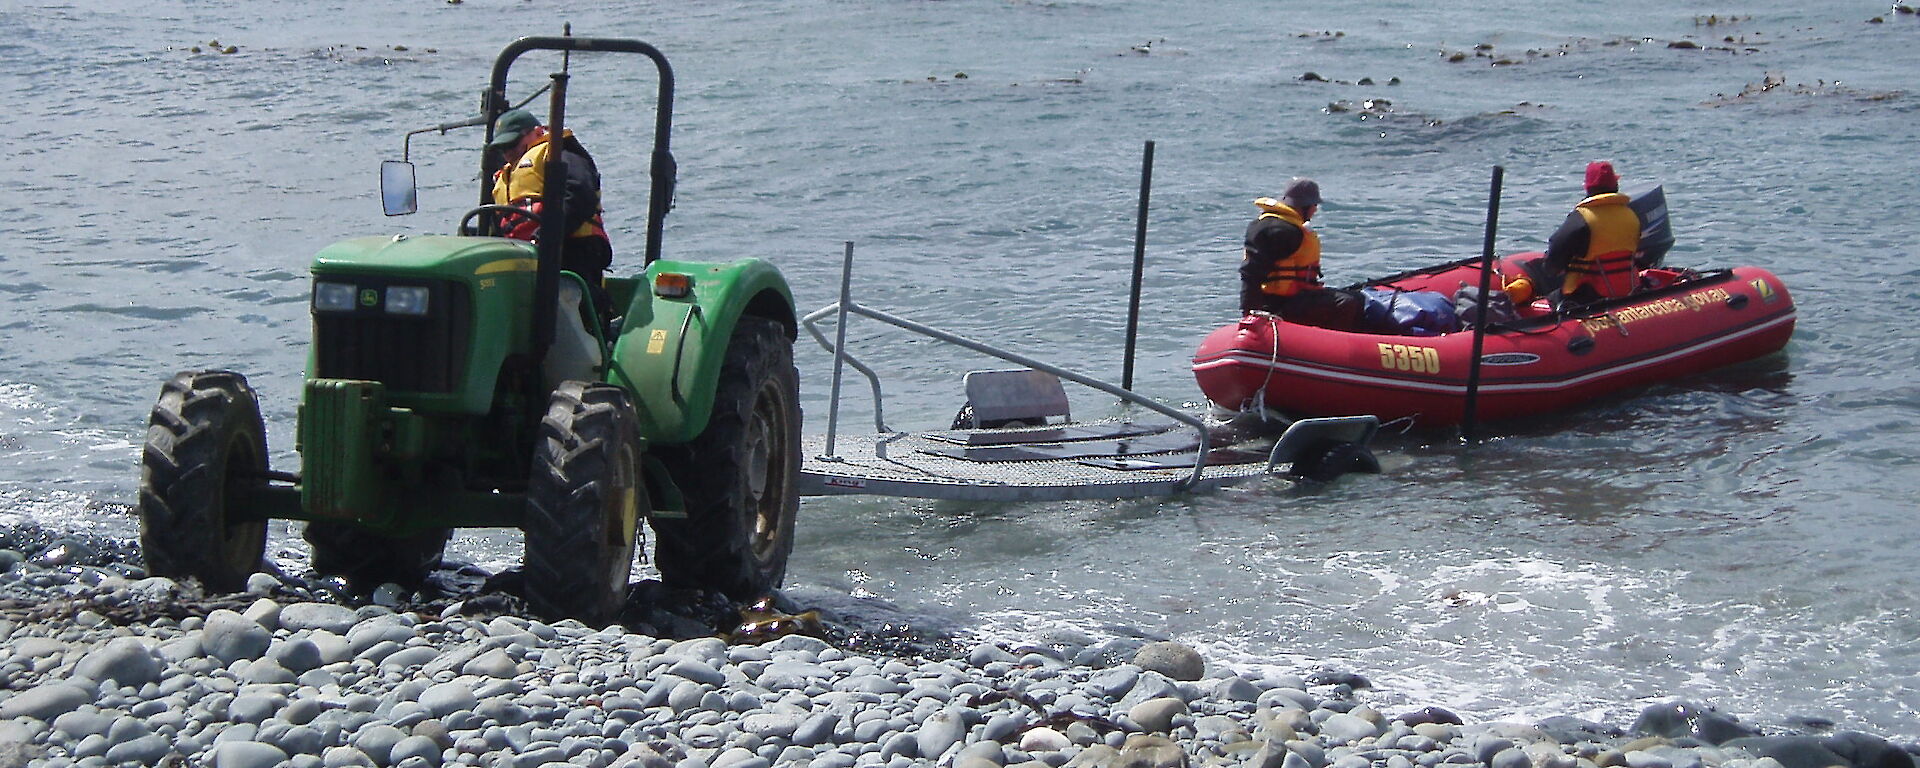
{"x":1744,"y":537}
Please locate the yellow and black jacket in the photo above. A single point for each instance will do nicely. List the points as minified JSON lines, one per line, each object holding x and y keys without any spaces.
{"x":1282,"y":255}
{"x":526,"y":181}
{"x":1594,"y":248}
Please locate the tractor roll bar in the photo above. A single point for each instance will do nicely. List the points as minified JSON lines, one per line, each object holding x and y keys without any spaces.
{"x":660,"y":197}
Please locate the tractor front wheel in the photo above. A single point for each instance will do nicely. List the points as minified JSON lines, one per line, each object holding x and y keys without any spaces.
{"x":205,"y":442}
{"x":583,"y":504}
{"x":739,"y":477}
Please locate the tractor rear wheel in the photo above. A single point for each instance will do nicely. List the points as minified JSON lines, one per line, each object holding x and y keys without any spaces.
{"x":205,"y":441}
{"x":369,"y":559}
{"x":584,"y":498}
{"x":739,"y":477}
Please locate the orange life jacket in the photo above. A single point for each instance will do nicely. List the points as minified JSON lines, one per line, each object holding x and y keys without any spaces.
{"x":527,"y":180}
{"x":1613,"y":237}
{"x":1300,"y":270}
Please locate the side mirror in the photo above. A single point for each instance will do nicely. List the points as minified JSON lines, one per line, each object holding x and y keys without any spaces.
{"x":397,"y":193}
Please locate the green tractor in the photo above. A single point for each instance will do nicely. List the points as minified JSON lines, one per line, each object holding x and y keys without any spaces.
{"x":453,"y":383}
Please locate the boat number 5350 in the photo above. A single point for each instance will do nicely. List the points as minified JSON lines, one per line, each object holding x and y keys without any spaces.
{"x":1402,"y":357}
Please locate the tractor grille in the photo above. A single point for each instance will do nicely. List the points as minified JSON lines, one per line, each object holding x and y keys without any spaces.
{"x":408,"y":353}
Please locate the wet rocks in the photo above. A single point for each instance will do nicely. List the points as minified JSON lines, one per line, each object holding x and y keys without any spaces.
{"x":316,"y":685}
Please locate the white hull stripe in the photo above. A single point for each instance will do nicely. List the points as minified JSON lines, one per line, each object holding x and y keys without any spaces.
{"x":1252,"y":360}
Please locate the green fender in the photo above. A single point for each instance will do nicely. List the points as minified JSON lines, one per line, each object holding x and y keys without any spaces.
{"x":670,"y":350}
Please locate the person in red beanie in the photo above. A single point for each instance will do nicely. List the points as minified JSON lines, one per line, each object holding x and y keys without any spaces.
{"x":1590,"y":257}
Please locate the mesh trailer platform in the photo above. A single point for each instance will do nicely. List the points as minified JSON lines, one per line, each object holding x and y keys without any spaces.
{"x":1035,"y":464}
{"x":1022,"y":444}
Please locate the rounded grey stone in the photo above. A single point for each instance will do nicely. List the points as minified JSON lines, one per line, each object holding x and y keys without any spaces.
{"x":146,"y":750}
{"x":1635,"y":759}
{"x":126,"y":729}
{"x":124,"y":660}
{"x":1343,"y":726}
{"x":738,"y":757}
{"x":770,"y":724}
{"x":416,"y":747}
{"x":939,"y":732}
{"x":685,"y":695}
{"x":337,"y":619}
{"x":268,"y":672}
{"x":495,"y":664}
{"x":84,"y":722}
{"x":345,"y":757}
{"x":447,"y":698}
{"x":252,"y":708}
{"x":711,"y":649}
{"x":1310,"y":753}
{"x":301,"y":740}
{"x":1148,"y":750}
{"x":697,"y":671}
{"x":816,"y":730}
{"x":261,"y":584}
{"x":296,"y":655}
{"x":264,"y":612}
{"x":247,"y":754}
{"x":1150,"y":685}
{"x":900,"y":744}
{"x":410,"y":657}
{"x":229,"y":637}
{"x":1235,"y":688}
{"x":1156,"y":715}
{"x":1175,"y":660}
{"x":378,"y":739}
{"x":1043,"y":740}
{"x":44,"y":702}
{"x":1485,"y":747}
{"x":1115,"y":682}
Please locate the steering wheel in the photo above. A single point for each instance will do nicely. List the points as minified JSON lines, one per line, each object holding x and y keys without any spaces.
{"x":493,"y":210}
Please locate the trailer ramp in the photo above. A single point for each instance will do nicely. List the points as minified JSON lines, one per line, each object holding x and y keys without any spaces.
{"x":1005,"y":444}
{"x":1036,"y":464}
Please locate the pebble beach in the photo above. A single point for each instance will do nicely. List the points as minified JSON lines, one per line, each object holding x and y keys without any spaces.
{"x":102,"y":666}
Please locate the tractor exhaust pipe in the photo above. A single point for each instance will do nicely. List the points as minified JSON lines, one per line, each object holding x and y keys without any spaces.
{"x":553,"y":222}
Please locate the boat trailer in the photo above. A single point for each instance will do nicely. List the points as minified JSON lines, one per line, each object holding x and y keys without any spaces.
{"x":1016,"y":441}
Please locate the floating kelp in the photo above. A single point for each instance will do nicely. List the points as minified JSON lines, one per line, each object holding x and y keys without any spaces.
{"x":1776,"y":84}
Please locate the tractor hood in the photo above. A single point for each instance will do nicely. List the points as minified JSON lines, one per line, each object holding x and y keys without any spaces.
{"x":443,"y":256}
{"x":470,"y":302}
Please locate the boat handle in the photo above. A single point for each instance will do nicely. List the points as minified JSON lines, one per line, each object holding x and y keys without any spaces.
{"x":1581,"y":345}
{"x":1620,"y":326}
{"x":1737,"y":301}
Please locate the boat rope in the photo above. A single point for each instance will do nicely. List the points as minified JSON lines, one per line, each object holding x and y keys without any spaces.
{"x":1273,"y":361}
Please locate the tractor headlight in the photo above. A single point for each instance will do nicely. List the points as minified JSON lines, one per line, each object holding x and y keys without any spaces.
{"x":333,"y":297}
{"x":407,"y":300}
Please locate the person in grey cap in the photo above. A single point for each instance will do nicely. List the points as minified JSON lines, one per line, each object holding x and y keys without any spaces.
{"x":1280,"y":270}
{"x":521,"y":181}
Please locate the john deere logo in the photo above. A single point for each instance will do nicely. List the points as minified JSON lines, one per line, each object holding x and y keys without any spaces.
{"x":369,"y":297}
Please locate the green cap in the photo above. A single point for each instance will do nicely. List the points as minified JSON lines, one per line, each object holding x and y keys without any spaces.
{"x":509,"y":127}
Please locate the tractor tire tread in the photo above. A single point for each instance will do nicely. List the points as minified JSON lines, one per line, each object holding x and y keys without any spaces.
{"x":567,"y":561}
{"x":712,"y":547}
{"x":183,"y":473}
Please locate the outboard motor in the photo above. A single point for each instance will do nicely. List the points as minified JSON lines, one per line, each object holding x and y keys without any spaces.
{"x":1656,"y":234}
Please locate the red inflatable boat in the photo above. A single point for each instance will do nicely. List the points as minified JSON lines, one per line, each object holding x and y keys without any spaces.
{"x":1682,"y":322}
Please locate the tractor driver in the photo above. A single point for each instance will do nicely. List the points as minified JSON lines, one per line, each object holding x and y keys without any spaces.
{"x":524,"y":145}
